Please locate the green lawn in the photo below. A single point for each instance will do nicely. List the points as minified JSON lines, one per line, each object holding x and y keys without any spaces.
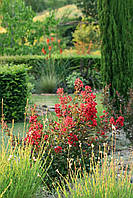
{"x":48,"y":99}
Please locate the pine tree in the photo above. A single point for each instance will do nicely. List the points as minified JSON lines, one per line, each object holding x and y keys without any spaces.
{"x":116,"y":25}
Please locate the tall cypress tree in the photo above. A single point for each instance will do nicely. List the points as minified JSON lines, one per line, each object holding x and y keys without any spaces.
{"x":116,"y":24}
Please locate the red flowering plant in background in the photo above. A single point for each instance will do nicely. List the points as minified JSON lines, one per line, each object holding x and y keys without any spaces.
{"x":75,"y":127}
{"x":51,"y":46}
{"x":52,"y":69}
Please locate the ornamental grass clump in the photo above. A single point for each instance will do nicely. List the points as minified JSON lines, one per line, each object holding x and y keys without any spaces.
{"x":75,"y":130}
{"x":49,"y":78}
{"x":21,"y":171}
{"x":107,"y":179}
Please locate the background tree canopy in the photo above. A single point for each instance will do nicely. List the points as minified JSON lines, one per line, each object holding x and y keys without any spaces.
{"x":40,"y":5}
{"x":88,"y":7}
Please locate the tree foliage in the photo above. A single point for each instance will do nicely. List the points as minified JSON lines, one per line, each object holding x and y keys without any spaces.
{"x":40,"y":5}
{"x":88,"y":7}
{"x":17,"y":19}
{"x":37,"y":5}
{"x":116,"y":24}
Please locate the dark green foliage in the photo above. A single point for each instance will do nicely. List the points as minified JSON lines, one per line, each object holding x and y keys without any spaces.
{"x":66,"y":30}
{"x":88,"y":7}
{"x":40,"y":5}
{"x":37,"y":5}
{"x":13,"y":90}
{"x":64,"y":65}
{"x":116,"y":24}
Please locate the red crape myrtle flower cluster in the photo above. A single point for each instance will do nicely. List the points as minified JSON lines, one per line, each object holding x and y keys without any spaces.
{"x":35,"y":135}
{"x":75,"y":127}
{"x":107,"y":122}
{"x":77,"y":119}
{"x":35,"y":132}
{"x":76,"y":122}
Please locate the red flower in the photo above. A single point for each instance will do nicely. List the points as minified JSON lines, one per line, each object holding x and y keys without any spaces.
{"x":49,"y":48}
{"x":78,"y":84}
{"x":112,"y":121}
{"x":47,"y":41}
{"x":58,"y":149}
{"x":103,"y":133}
{"x":60,"y":51}
{"x":59,"y":41}
{"x":88,"y":88}
{"x":43,"y":51}
{"x":52,"y":39}
{"x":120,"y":121}
{"x":72,"y":139}
{"x":68,"y":122}
{"x":60,"y":91}
{"x":33,"y":119}
{"x":57,"y":110}
{"x":45,"y":137}
{"x":64,"y":129}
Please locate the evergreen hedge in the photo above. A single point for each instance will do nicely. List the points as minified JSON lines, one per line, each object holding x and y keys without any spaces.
{"x":65,"y":64}
{"x":14,"y":91}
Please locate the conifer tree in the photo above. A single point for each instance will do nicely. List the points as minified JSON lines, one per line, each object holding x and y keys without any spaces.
{"x":116,"y":25}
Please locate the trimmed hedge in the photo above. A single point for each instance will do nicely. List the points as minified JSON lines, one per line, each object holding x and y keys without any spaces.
{"x":65,"y":64}
{"x":14,"y":91}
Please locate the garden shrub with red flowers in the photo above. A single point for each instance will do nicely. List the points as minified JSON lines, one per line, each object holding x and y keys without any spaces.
{"x":74,"y":133}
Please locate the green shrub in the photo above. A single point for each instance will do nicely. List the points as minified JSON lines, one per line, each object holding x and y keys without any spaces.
{"x":13,"y":90}
{"x":86,"y":35}
{"x":71,"y":79}
{"x":37,"y":5}
{"x":64,"y":65}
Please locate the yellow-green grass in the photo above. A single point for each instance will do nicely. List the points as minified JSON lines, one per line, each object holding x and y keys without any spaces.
{"x":20,"y":174}
{"x":107,"y":179}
